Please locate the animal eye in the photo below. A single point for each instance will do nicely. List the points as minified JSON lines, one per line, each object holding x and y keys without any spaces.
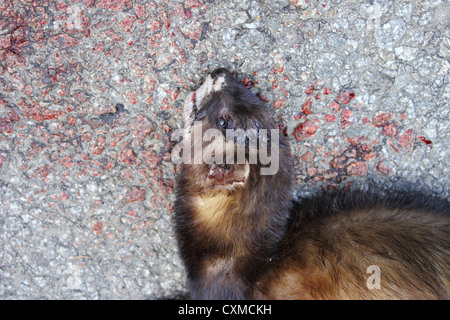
{"x":223,"y":122}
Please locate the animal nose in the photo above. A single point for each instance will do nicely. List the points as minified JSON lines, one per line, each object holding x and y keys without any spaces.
{"x":219,"y":72}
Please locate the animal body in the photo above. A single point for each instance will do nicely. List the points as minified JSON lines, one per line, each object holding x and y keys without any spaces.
{"x":242,"y":236}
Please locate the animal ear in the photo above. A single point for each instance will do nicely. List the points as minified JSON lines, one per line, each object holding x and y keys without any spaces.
{"x":189,"y":109}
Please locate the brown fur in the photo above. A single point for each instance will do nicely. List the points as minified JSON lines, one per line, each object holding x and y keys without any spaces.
{"x":250,"y":240}
{"x":328,"y":260}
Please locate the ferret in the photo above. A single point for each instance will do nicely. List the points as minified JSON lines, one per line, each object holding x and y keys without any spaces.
{"x":241,"y":234}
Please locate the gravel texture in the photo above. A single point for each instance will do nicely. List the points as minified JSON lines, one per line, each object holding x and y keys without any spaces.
{"x":91,"y":90}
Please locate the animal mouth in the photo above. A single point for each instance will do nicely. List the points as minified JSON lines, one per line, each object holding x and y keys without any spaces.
{"x":226,"y":175}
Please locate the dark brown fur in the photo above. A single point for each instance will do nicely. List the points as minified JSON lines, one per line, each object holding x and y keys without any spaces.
{"x":252,"y":241}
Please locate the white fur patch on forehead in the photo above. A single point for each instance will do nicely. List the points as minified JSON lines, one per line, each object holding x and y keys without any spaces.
{"x":211,"y":85}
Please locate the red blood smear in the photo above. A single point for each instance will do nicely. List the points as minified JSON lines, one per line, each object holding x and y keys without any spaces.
{"x":382,"y":119}
{"x":97,"y":228}
{"x":394,"y":146}
{"x":406,"y":139}
{"x":422,"y":138}
{"x":390,"y":130}
{"x":334,"y":106}
{"x":43,"y":116}
{"x":305,"y":130}
{"x":330,"y":118}
{"x":382,"y":168}
{"x":307,"y":107}
{"x":326,"y":91}
{"x":279,"y":104}
{"x":346,"y":114}
{"x":264,"y":98}
{"x":247,"y":83}
{"x":310,"y":89}
{"x":358,"y":168}
{"x":345,"y":124}
{"x":345,"y":97}
{"x":275,"y":84}
{"x":301,"y":115}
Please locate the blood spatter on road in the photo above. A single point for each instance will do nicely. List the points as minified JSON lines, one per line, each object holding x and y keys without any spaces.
{"x":305,"y":130}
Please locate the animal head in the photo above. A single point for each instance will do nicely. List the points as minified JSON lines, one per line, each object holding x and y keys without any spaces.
{"x":228,"y":133}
